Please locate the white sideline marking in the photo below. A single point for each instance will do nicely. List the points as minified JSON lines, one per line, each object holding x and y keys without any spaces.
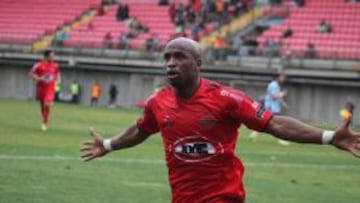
{"x":301,"y":166}
{"x":68,"y":158}
{"x":282,"y":153}
{"x":162,"y":162}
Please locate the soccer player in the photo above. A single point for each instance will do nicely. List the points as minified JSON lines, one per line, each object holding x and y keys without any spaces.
{"x":46,"y":74}
{"x":274,"y":101}
{"x":198,"y":121}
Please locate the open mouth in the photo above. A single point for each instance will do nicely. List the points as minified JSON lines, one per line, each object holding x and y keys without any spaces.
{"x":172,"y":75}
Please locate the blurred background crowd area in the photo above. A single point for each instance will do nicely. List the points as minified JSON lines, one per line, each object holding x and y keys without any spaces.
{"x":225,"y":28}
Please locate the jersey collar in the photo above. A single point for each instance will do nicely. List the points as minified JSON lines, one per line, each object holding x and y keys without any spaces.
{"x":198,"y":92}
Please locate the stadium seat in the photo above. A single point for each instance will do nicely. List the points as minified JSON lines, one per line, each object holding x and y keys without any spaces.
{"x":155,"y":17}
{"x":26,"y":20}
{"x":343,"y":17}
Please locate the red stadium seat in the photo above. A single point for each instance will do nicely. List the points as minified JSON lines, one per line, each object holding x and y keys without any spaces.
{"x":154,"y":16}
{"x":343,"y":42}
{"x":27,"y":20}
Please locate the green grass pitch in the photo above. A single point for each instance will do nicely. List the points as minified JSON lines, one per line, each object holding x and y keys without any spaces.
{"x":43,"y":167}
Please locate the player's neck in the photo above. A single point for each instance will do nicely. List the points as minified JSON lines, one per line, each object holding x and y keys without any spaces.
{"x":188,"y":91}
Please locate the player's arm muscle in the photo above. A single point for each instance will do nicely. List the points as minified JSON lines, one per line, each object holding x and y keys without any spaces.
{"x":33,"y":75}
{"x":58,"y":77}
{"x":130,"y":137}
{"x":287,"y":128}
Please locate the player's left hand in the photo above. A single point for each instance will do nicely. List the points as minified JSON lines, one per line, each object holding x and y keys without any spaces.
{"x":93,"y":148}
{"x":346,"y":139}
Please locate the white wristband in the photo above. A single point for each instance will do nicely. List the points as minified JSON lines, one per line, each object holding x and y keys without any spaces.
{"x":327,"y":136}
{"x":107,"y":145}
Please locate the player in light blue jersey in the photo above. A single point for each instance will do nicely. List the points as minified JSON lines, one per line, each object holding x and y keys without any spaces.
{"x":274,"y":100}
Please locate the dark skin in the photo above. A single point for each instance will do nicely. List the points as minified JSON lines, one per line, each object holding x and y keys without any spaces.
{"x":185,"y":66}
{"x":182,"y":64}
{"x":281,"y":80}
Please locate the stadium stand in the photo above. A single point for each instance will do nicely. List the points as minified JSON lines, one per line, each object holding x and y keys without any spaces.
{"x":82,"y":36}
{"x":156,"y":18}
{"x":38,"y":24}
{"x":27,"y":21}
{"x":23,"y":21}
{"x":342,"y":42}
{"x":149,"y":13}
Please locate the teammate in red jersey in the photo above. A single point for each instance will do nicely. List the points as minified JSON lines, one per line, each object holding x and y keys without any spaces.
{"x":198,"y":121}
{"x":46,"y":74}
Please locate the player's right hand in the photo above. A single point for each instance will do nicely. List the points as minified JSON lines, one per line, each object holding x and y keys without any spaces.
{"x":347,"y":140}
{"x":94,"y":148}
{"x":284,"y":93}
{"x":39,"y":79}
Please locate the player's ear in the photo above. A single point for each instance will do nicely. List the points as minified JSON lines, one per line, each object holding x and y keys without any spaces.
{"x":199,"y":62}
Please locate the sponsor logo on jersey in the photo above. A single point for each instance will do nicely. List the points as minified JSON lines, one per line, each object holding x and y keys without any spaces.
{"x":208,"y":121}
{"x":226,"y":93}
{"x":260,"y":112}
{"x":48,"y":77}
{"x":196,"y":149}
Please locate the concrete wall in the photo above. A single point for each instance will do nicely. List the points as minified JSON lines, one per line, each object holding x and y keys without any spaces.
{"x":15,"y":83}
{"x":321,"y":103}
{"x":314,"y":103}
{"x":309,"y":102}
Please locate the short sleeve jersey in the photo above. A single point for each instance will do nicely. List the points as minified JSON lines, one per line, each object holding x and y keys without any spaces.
{"x":199,"y":138}
{"x":47,"y":70}
{"x":272,"y":103}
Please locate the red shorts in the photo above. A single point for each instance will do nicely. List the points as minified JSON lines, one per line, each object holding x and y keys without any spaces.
{"x":44,"y":95}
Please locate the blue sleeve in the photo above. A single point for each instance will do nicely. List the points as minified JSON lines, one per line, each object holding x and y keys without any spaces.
{"x":273,"y":89}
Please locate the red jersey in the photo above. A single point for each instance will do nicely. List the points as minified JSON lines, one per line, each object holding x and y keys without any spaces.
{"x":45,"y":90}
{"x":199,"y":138}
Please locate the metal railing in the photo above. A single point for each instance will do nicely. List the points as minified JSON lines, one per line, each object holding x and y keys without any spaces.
{"x":279,"y":58}
{"x":243,"y":57}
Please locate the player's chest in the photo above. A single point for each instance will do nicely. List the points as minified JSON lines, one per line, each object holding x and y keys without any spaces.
{"x":46,"y":69}
{"x":188,"y":118}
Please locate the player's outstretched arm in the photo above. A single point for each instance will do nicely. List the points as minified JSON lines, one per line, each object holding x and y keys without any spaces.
{"x":98,"y":147}
{"x":294,"y":130}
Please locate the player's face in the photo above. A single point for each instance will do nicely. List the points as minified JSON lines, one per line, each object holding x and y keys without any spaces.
{"x":181,"y":66}
{"x":282,"y":79}
{"x":50,"y":57}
